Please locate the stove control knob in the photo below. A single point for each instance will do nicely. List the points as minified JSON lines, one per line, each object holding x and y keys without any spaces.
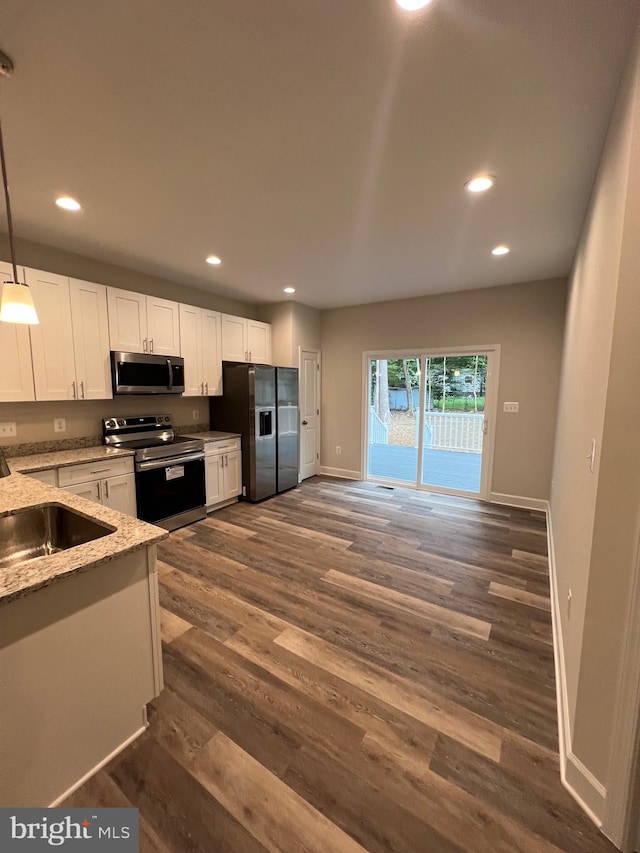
{"x":110,"y":424}
{"x":159,"y":419}
{"x":121,"y":422}
{"x":167,"y":419}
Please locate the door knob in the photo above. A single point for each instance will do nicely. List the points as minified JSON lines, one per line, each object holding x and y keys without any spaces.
{"x":305,"y":423}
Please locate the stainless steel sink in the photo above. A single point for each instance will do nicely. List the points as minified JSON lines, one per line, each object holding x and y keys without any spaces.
{"x":48,"y":529}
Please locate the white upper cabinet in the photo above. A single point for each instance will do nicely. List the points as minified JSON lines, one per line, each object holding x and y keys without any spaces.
{"x":54,"y":370}
{"x":139,"y":323}
{"x":234,"y":338}
{"x":200,"y":335}
{"x":127,"y":320}
{"x":191,"y":337}
{"x":211,"y":352}
{"x":163,"y":326}
{"x":70,"y":346}
{"x":16,"y":376}
{"x":90,"y":339}
{"x":259,"y":341}
{"x":245,"y":340}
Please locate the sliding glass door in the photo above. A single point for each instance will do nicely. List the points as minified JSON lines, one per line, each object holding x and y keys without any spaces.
{"x":427,"y":420}
{"x":394,"y":395}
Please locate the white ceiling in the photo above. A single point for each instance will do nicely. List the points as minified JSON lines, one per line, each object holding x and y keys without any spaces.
{"x":322,"y":144}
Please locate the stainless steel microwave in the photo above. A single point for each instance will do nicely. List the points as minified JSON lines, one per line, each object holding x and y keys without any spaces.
{"x":140,"y":373}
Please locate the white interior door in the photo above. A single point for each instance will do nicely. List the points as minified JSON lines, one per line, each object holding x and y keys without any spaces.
{"x":309,"y":413}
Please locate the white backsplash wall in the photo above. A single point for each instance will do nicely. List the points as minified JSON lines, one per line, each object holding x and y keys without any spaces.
{"x":34,"y":421}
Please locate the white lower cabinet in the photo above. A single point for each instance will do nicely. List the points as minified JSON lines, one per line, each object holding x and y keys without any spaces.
{"x":119,"y":493}
{"x":111,"y":483}
{"x":223,"y":472}
{"x":49,"y":476}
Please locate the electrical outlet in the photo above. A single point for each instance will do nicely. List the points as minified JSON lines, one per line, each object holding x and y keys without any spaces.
{"x":511,"y":407}
{"x":196,"y":414}
{"x":7,"y":429}
{"x":338,"y":450}
{"x":59,"y":424}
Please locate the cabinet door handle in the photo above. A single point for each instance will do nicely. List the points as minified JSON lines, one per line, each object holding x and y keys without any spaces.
{"x":207,"y":384}
{"x":144,"y":344}
{"x":99,"y":491}
{"x":106,"y":487}
{"x":202,"y":387}
{"x":249,"y":355}
{"x":151,"y":345}
{"x":82,"y":388}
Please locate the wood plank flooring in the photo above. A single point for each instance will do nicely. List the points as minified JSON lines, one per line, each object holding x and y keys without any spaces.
{"x":353,"y":668}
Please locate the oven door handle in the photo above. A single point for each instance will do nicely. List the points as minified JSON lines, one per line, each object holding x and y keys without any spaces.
{"x":168,"y":463}
{"x":170,"y":366}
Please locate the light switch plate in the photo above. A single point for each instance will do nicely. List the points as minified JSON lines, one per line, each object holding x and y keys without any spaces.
{"x":8,"y":429}
{"x":511,"y":407}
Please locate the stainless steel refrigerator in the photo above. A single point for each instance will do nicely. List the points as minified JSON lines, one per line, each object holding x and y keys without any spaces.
{"x":261,"y":403}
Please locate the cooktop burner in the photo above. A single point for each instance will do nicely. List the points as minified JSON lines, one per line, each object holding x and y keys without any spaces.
{"x":150,"y":436}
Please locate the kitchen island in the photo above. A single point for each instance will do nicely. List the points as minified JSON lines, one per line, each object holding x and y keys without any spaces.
{"x":80,"y":652}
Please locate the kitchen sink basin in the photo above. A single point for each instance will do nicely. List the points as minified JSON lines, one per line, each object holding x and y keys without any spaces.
{"x":43,"y":530}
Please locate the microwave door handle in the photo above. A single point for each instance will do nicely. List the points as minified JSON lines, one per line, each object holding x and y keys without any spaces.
{"x":170,"y":366}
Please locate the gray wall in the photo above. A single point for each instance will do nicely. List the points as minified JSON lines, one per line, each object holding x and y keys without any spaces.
{"x":525,"y":319}
{"x":293,"y":325}
{"x":48,"y":258}
{"x":595,"y":516}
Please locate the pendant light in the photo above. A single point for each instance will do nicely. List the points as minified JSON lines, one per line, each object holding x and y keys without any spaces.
{"x":16,"y":305}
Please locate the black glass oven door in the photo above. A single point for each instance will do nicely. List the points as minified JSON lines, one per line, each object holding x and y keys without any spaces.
{"x":168,"y":488}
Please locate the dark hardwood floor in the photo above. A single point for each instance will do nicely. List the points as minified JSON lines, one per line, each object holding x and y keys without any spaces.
{"x":353,"y":668}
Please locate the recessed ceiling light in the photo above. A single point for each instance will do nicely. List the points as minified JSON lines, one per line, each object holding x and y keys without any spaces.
{"x":289,"y":290}
{"x":67,"y":203}
{"x":500,"y":250}
{"x":412,"y":5}
{"x":480,"y":184}
{"x":214,"y":259}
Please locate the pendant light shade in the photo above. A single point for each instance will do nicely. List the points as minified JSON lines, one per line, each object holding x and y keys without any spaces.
{"x":17,"y":304}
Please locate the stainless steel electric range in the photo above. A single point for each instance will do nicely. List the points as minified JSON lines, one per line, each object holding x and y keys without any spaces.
{"x":169,"y":470}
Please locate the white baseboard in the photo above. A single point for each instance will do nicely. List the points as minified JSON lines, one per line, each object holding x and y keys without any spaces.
{"x":519,"y":501}
{"x":342,"y":473}
{"x":587,"y":791}
{"x":99,"y":766}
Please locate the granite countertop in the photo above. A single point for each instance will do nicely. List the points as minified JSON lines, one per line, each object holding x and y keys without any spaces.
{"x":62,"y":458}
{"x":19,"y":492}
{"x":212,"y":435}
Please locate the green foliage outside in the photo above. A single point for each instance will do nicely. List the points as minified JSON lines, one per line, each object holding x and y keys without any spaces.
{"x":460,"y":380}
